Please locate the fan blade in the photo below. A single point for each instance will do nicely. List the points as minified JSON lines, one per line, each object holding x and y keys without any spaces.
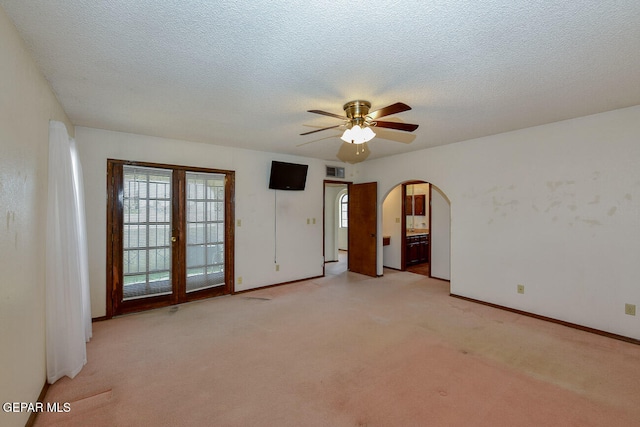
{"x":407,"y":127}
{"x":318,"y":130}
{"x":324,"y":113}
{"x":353,"y":153}
{"x":330,"y":137}
{"x":395,"y":136}
{"x":398,"y":107}
{"x":305,"y":143}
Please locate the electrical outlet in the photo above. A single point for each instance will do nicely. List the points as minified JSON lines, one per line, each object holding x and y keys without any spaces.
{"x":630,"y":309}
{"x":308,"y":220}
{"x":397,"y":220}
{"x":239,"y":280}
{"x":314,"y":220}
{"x":521,"y":289}
{"x":277,"y":267}
{"x":239,"y":223}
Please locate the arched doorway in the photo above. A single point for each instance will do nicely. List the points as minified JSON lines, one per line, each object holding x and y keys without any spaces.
{"x":416,"y":228}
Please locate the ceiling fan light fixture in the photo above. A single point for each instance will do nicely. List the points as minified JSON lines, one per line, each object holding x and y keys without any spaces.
{"x":368,"y":134}
{"x":358,"y":135}
{"x":346,"y":136}
{"x":359,"y":121}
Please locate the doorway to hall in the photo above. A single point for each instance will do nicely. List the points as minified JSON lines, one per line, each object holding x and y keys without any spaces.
{"x":351,"y":218}
{"x":339,"y":266}
{"x":336,"y":227}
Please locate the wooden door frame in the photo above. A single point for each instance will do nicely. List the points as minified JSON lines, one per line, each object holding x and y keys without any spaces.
{"x":115,"y":213}
{"x":430,"y":240}
{"x":403,"y":246}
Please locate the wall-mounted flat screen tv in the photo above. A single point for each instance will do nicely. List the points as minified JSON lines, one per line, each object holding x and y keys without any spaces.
{"x":287,"y":176}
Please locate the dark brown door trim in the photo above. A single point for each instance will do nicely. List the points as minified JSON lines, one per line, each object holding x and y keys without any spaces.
{"x":430,"y":234}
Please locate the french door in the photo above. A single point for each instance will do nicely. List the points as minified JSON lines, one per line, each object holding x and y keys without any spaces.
{"x":169,"y":235}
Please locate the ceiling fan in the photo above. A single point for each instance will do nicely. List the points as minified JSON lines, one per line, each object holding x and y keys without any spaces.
{"x":359,"y":121}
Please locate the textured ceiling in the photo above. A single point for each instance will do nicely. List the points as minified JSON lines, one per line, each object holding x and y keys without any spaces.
{"x":243,"y":73}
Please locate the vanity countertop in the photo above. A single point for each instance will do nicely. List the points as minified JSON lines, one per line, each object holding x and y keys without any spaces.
{"x":418,"y":232}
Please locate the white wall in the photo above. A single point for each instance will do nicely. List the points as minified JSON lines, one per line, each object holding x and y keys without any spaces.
{"x":440,"y":235}
{"x":299,"y":245}
{"x":343,"y":238}
{"x":26,"y":106}
{"x":553,"y":207}
{"x":330,"y":223}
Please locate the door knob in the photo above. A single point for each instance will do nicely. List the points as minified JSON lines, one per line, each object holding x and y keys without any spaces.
{"x":174,"y":239}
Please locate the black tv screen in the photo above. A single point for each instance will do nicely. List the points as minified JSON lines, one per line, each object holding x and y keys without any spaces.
{"x":287,"y":176}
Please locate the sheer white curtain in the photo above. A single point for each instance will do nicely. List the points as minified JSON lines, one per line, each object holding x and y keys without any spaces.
{"x":68,"y":313}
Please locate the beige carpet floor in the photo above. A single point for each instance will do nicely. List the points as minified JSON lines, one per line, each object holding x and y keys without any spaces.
{"x":348,"y":350}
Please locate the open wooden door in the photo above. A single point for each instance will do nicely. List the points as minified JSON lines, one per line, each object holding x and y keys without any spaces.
{"x":362,"y":228}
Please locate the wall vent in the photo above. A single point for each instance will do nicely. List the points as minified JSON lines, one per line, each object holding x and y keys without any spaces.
{"x":335,"y":172}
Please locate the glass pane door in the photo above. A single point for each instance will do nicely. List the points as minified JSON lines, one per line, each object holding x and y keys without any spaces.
{"x":146,"y":232}
{"x":205,"y":205}
{"x":169,"y":235}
